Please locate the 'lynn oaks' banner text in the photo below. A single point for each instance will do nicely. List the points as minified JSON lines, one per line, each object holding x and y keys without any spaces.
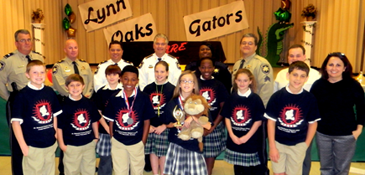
{"x":142,"y":28}
{"x":216,"y":22}
{"x":100,"y":13}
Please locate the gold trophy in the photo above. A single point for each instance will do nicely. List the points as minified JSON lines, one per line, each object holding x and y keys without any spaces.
{"x":179,"y":116}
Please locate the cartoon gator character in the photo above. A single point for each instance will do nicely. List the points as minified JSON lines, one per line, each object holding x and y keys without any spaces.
{"x":272,"y":46}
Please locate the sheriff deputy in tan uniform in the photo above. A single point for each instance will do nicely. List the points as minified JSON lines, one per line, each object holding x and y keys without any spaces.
{"x":12,"y":69}
{"x":258,"y":65}
{"x":13,"y":65}
{"x":71,"y":65}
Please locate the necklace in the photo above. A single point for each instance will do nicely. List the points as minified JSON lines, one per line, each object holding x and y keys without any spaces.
{"x":158,"y":105}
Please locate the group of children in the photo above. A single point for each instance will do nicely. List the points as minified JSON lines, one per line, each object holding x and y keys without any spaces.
{"x":143,"y":123}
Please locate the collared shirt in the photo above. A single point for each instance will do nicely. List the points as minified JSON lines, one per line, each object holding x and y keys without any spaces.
{"x":63,"y":68}
{"x":246,"y":94}
{"x":147,"y":69}
{"x":287,"y":89}
{"x":35,"y":88}
{"x":12,"y":69}
{"x":100,"y":77}
{"x":263,"y":73}
{"x":119,"y":86}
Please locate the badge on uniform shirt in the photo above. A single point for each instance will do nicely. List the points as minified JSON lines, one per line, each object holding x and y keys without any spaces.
{"x":83,"y":68}
{"x":2,"y":65}
{"x":216,"y":70}
{"x":67,"y":70}
{"x":150,"y":66}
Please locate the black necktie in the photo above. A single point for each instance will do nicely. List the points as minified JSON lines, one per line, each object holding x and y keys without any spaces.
{"x":159,"y":59}
{"x":75,"y":68}
{"x":241,"y":65}
{"x":28,"y":58}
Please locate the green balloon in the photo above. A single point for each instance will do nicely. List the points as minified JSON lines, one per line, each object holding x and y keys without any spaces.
{"x":68,"y":9}
{"x":66,"y":23}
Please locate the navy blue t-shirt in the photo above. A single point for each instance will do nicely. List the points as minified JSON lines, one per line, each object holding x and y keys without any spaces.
{"x":243,"y":112}
{"x":128,"y":126}
{"x":76,"y":121}
{"x":215,"y":93}
{"x":167,"y":118}
{"x":101,"y":98}
{"x":292,"y":113}
{"x":35,"y":110}
{"x":159,"y":98}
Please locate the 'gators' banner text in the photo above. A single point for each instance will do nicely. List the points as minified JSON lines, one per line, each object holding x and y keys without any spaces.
{"x":100,"y":13}
{"x":216,"y":22}
{"x":142,"y":28}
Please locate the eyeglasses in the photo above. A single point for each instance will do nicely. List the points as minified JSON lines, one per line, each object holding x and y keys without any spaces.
{"x":186,"y":81}
{"x":338,"y":54}
{"x":25,"y":40}
{"x":249,"y":43}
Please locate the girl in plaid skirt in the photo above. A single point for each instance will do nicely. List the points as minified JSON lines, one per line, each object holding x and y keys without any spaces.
{"x":183,"y":157}
{"x":160,"y":92}
{"x":243,"y":112}
{"x":215,"y":93}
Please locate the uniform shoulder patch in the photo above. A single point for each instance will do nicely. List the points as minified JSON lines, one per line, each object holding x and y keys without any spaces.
{"x":8,"y":55}
{"x":2,"y":65}
{"x":96,"y":71}
{"x":140,"y":65}
{"x":178,"y":65}
{"x":60,"y":61}
{"x":265,"y":68}
{"x":82,"y":60}
{"x":54,"y":69}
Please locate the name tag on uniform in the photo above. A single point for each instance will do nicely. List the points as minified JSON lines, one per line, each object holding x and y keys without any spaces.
{"x":67,"y":70}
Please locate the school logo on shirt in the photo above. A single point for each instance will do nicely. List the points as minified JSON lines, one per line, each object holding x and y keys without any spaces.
{"x":291,"y":116}
{"x":158,"y":100}
{"x":208,"y":94}
{"x":81,"y":120}
{"x":42,"y":112}
{"x":127,"y":121}
{"x":241,"y":116}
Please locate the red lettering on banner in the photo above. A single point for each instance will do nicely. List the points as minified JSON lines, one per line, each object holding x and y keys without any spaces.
{"x":174,"y":48}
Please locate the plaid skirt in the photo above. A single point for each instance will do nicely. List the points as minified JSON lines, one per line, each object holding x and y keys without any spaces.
{"x":104,"y":145}
{"x":180,"y":161}
{"x":215,"y":142}
{"x":157,"y":144}
{"x":242,"y":159}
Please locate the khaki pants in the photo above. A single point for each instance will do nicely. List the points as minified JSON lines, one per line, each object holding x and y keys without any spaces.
{"x":80,"y":159}
{"x":291,"y":158}
{"x":39,"y":161}
{"x":127,"y":156}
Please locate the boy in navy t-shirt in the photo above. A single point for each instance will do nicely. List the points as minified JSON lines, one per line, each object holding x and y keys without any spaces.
{"x":129,"y":113}
{"x":78,"y":129}
{"x":34,"y":123}
{"x":293,"y":114}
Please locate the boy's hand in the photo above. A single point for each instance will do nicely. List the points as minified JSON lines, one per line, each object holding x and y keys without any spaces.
{"x":274,"y":155}
{"x":63,"y":148}
{"x":25,"y":150}
{"x":160,"y":129}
